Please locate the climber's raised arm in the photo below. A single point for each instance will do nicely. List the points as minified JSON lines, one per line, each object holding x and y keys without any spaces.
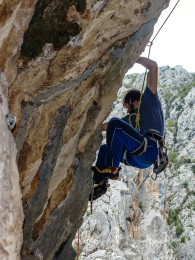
{"x":152,"y":77}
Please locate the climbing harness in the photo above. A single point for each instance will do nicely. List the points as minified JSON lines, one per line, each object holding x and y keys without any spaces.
{"x":162,"y":159}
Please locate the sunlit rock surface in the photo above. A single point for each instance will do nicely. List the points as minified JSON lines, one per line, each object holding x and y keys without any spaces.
{"x":128,"y":222}
{"x":139,"y":218}
{"x":11,"y":213}
{"x":64,"y":62}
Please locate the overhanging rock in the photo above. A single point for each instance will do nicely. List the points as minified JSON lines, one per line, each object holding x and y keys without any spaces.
{"x":73,"y":58}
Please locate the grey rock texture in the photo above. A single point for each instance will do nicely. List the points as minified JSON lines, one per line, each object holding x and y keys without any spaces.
{"x":64,"y":62}
{"x":139,"y":218}
{"x":11,"y":211}
{"x":128,"y":222}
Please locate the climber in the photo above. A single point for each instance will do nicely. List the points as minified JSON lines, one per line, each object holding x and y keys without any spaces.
{"x":124,"y":143}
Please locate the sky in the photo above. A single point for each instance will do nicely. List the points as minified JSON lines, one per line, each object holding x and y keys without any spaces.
{"x":175,"y":44}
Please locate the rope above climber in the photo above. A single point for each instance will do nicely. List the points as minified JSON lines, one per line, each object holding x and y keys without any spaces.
{"x":140,"y":147}
{"x":138,"y":139}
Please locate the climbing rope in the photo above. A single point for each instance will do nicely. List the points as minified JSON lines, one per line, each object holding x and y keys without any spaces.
{"x":92,"y":198}
{"x":137,"y":119}
{"x":165,"y":21}
{"x":138,"y":112}
{"x":92,"y":192}
{"x":78,"y":246}
{"x":78,"y":229}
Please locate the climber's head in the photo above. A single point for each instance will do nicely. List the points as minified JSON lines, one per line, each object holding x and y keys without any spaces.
{"x":131,"y":100}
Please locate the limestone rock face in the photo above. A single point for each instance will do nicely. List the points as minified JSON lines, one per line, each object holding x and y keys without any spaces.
{"x":64,"y":62}
{"x":128,"y":222}
{"x":139,"y":218}
{"x":14,"y":21}
{"x":11,"y":213}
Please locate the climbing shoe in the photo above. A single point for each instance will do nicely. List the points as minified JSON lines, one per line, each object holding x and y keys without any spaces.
{"x":98,"y":191}
{"x":106,"y":172}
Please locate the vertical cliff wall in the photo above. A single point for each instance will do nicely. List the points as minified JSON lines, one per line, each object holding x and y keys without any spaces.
{"x":129,"y":221}
{"x":11,"y":214}
{"x":139,"y":218}
{"x":64,"y":62}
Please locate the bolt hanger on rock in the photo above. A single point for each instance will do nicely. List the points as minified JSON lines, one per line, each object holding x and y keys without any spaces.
{"x":11,"y":121}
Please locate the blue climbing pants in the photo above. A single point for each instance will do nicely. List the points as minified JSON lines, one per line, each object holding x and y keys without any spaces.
{"x":121,"y":141}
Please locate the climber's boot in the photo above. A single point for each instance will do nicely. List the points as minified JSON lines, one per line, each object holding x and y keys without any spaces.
{"x":106,"y":172}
